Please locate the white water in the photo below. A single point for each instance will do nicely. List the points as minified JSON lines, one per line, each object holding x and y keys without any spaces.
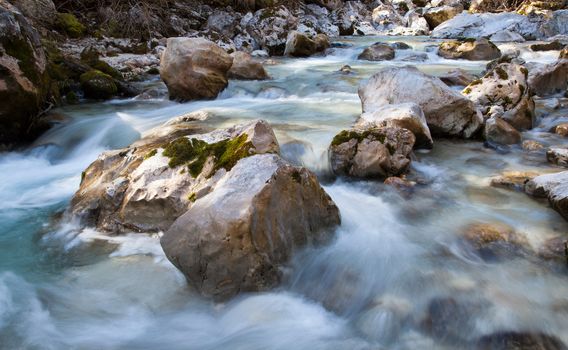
{"x":369,"y":289}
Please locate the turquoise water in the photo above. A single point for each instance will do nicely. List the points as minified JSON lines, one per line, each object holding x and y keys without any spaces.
{"x":62,"y":287}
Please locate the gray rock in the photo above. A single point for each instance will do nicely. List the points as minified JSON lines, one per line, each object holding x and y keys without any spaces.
{"x":377,"y":52}
{"x":554,"y":187}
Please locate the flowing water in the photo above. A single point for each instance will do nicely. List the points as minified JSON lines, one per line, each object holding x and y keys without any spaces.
{"x":371,"y":288}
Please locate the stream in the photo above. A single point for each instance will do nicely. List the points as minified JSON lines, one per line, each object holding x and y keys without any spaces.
{"x":373,"y":287}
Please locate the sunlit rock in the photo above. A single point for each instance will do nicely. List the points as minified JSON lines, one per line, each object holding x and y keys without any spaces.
{"x":194,"y":68}
{"x":447,"y":112}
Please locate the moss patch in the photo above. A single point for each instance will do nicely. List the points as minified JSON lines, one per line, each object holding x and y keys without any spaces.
{"x":98,"y":85}
{"x":501,"y":73}
{"x":194,"y":153}
{"x":150,"y":154}
{"x":348,"y":135}
{"x":22,"y":50}
{"x":70,"y":25}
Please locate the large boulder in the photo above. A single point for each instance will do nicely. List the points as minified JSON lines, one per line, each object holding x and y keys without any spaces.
{"x":24,"y":82}
{"x":194,"y":68}
{"x":377,"y":52}
{"x":246,"y":68}
{"x":300,"y":45}
{"x":551,"y":186}
{"x":237,"y":238}
{"x":371,"y":153}
{"x":405,"y":115}
{"x":504,"y":93}
{"x":438,"y":15}
{"x":473,"y":50}
{"x":147,"y":186}
{"x":42,"y":12}
{"x":447,"y":112}
{"x":549,"y":79}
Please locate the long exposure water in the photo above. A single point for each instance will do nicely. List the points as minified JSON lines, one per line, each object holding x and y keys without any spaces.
{"x":372,"y":288}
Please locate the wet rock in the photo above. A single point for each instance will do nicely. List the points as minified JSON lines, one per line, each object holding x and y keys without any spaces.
{"x":493,"y":240}
{"x":554,"y":187}
{"x":564,"y":54}
{"x":237,"y":238}
{"x":245,"y":68}
{"x":532,"y":146}
{"x":499,"y":131}
{"x":371,"y":153}
{"x":194,"y":68}
{"x":147,"y":186}
{"x":438,"y":15}
{"x":558,"y":156}
{"x":512,"y":340}
{"x":458,"y":77}
{"x":407,"y":115}
{"x":561,"y":129}
{"x":322,"y":42}
{"x":447,"y":112}
{"x":447,"y":317}
{"x":24,"y":80}
{"x":548,"y":79}
{"x":513,"y":180}
{"x":346,"y":69}
{"x":473,"y":50}
{"x":550,"y":46}
{"x":377,"y":52}
{"x":399,"y":45}
{"x":504,"y":93}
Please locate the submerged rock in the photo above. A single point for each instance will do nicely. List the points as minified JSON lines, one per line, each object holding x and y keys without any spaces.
{"x":406,"y":115}
{"x":513,"y":180}
{"x":447,"y":112}
{"x":494,"y":240}
{"x":245,"y":68}
{"x":513,"y":340}
{"x":473,"y":50}
{"x":24,"y":81}
{"x":371,"y":153}
{"x":532,"y":146}
{"x":237,"y":238}
{"x":554,"y":187}
{"x":504,"y":93}
{"x":377,"y":52}
{"x":194,"y":68}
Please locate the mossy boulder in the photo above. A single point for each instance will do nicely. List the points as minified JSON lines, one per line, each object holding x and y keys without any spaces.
{"x":376,"y":152}
{"x":68,"y":24}
{"x":98,"y":85}
{"x":24,"y":81}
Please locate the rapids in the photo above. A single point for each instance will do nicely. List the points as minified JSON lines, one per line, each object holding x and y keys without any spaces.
{"x":61,"y":288}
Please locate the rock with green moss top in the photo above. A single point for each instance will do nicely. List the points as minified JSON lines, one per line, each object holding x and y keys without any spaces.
{"x":504,"y":93}
{"x":98,"y":85}
{"x":259,"y":214}
{"x":146,"y":186}
{"x":478,"y":50}
{"x":69,"y":24}
{"x":24,"y":81}
{"x":371,"y":153}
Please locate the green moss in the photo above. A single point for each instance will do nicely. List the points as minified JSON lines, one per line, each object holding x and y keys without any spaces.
{"x":153,"y":71}
{"x":194,"y":153}
{"x":192,"y":197}
{"x":507,"y":100}
{"x":501,"y":73}
{"x":98,"y":85}
{"x":476,"y":82}
{"x":467,"y":91}
{"x":71,"y":97}
{"x":525,"y":72}
{"x":107,"y":69}
{"x":70,"y":25}
{"x":348,"y":135}
{"x":22,"y":50}
{"x":151,"y":154}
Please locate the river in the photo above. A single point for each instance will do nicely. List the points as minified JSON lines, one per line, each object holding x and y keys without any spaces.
{"x":372,"y":288}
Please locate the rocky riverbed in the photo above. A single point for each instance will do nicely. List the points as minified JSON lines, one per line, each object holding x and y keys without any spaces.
{"x":330,"y":175}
